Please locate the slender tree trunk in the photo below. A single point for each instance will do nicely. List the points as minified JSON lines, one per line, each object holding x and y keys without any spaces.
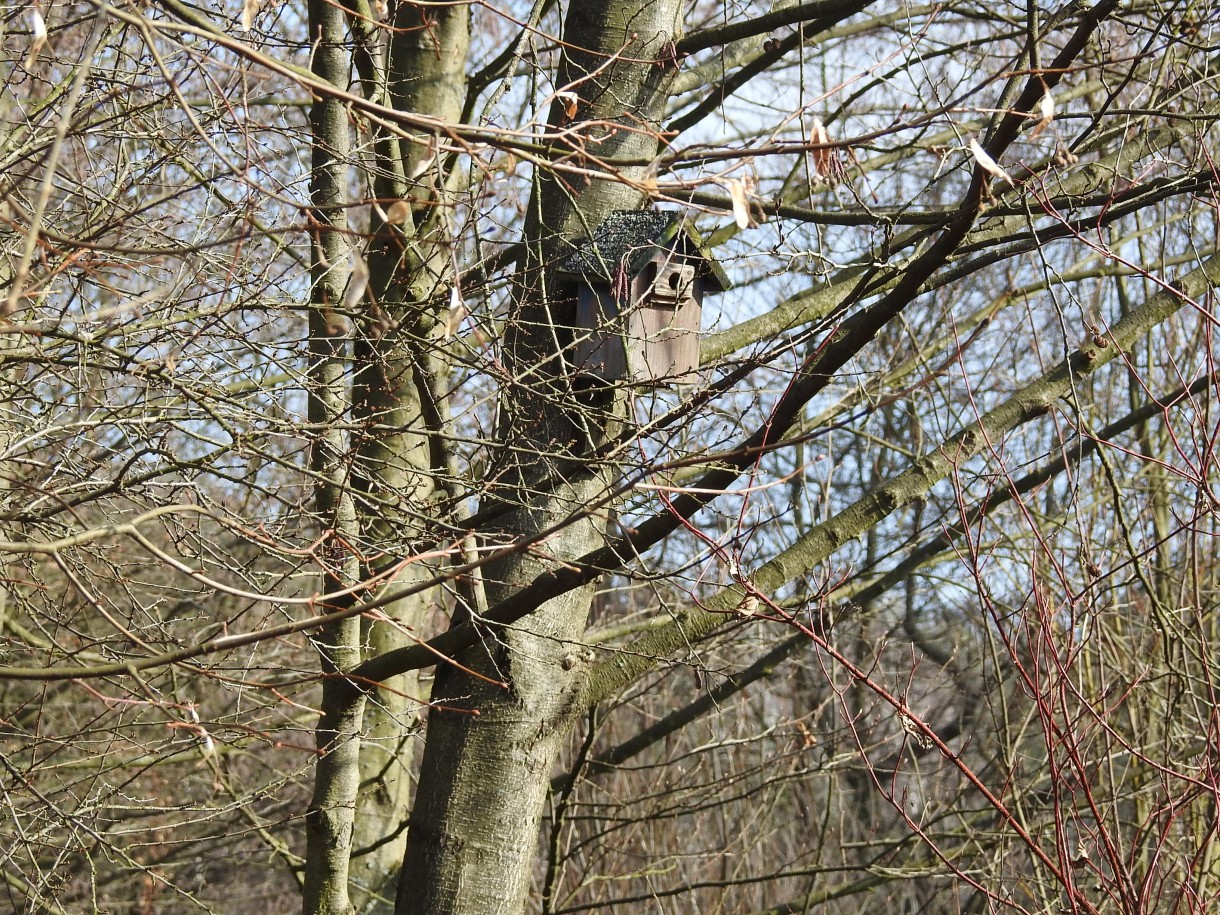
{"x":402,"y":458}
{"x":491,"y":747}
{"x":329,"y":823}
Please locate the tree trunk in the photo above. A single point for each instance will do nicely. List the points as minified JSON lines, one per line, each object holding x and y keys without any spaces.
{"x":491,"y":747}
{"x":399,"y":400}
{"x":329,"y":823}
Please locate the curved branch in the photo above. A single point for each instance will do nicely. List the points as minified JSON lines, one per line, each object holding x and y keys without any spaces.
{"x":760,"y":64}
{"x":735,"y":31}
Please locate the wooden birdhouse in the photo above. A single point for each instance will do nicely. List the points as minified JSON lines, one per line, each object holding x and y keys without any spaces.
{"x":639,"y":285}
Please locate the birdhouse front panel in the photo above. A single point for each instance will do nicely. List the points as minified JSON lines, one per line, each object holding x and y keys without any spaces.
{"x":662,"y":326}
{"x":661,"y":341}
{"x":672,"y":280}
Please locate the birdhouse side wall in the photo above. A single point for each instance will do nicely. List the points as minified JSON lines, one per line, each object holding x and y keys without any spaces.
{"x":599,"y":341}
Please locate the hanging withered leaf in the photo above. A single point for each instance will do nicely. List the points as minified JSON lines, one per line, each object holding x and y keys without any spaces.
{"x":1046,"y":114}
{"x":571,"y":102}
{"x":739,"y":191}
{"x":206,"y":746}
{"x":922,"y":740}
{"x":989,"y":164}
{"x":249,"y":10}
{"x":398,"y":213}
{"x":38,"y":30}
{"x":357,"y":283}
{"x":747,"y":606}
{"x":821,"y":155}
{"x":457,"y":311}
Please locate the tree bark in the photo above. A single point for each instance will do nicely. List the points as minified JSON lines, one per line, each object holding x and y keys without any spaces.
{"x":492,"y":742}
{"x":401,"y":460}
{"x":329,"y":822}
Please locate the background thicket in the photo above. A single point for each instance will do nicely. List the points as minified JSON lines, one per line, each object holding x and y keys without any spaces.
{"x":330,"y":582}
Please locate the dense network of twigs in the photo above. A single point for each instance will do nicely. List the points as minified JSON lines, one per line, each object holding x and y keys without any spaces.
{"x":906,"y":604}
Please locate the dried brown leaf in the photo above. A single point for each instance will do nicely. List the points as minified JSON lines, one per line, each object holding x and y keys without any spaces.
{"x":1046,"y":111}
{"x":741,"y":209}
{"x":249,"y":10}
{"x":823,"y":157}
{"x":989,"y":164}
{"x":399,"y":213}
{"x":571,"y":101}
{"x":38,"y":28}
{"x":357,"y":283}
{"x":739,"y":191}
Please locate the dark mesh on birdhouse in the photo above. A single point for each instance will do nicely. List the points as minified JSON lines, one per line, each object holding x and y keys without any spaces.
{"x":622,"y":244}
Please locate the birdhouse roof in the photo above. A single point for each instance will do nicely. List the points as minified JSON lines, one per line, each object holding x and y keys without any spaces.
{"x":630,"y":238}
